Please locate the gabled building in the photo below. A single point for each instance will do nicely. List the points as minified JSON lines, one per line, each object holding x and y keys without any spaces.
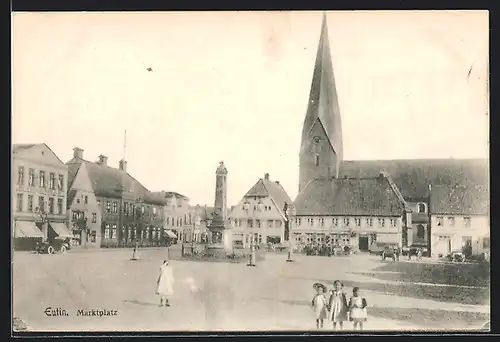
{"x":459,"y":220}
{"x":355,"y":212}
{"x":321,"y":156}
{"x":39,"y":189}
{"x":130,"y":213}
{"x":84,"y":214}
{"x":260,"y":215}
{"x":177,"y":215}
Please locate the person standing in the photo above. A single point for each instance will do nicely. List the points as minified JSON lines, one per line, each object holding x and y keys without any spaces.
{"x":357,"y":309}
{"x":319,"y":304}
{"x":338,"y":305}
{"x":164,"y":284}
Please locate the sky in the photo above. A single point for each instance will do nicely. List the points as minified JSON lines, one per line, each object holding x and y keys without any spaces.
{"x":234,"y":87}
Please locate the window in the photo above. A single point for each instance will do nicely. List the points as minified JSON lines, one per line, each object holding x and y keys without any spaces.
{"x":154,"y":213}
{"x":346,"y":221}
{"x":59,"y":206}
{"x":310,"y":220}
{"x":94,"y":218}
{"x":467,"y":222}
{"x":486,"y":242}
{"x":114,"y":232}
{"x":19,"y":202}
{"x":42,"y":179}
{"x":20,"y":175}
{"x":31,"y":177}
{"x":86,"y":199}
{"x":321,"y":222}
{"x":52,"y":181}
{"x":60,"y":182}
{"x":51,"y":205}
{"x":298,"y":221}
{"x":357,"y":222}
{"x":369,"y":222}
{"x":420,"y":232}
{"x":335,"y":221}
{"x":421,"y":208}
{"x":126,"y":209}
{"x":381,"y":222}
{"x":30,"y":203}
{"x":269,"y":223}
{"x":106,"y":232}
{"x":142,"y":210}
{"x":393,"y":223}
{"x":108,"y":206}
{"x":132,"y":211}
{"x":41,"y":203}
{"x":316,"y":159}
{"x":451,"y":221}
{"x":93,"y":237}
{"x":440,"y":220}
{"x":115,"y":207}
{"x":250,"y":223}
{"x":257,"y":223}
{"x":99,"y":203}
{"x":278,"y":224}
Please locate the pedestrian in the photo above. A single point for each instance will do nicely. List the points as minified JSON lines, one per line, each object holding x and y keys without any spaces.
{"x":338,"y":305}
{"x":164,"y":285}
{"x":319,"y":304}
{"x":357,"y":309}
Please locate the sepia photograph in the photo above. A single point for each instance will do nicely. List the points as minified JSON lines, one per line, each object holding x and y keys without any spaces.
{"x":250,"y":171}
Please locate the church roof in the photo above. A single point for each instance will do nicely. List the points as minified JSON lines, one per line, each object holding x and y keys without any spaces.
{"x":108,"y":181}
{"x":274,"y":190}
{"x":413,"y":176}
{"x":323,"y":100}
{"x":351,"y":196}
{"x":460,"y":199}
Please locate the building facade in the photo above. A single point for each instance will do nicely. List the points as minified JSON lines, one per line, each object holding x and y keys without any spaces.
{"x":178,"y":216}
{"x":350,"y":212}
{"x":321,"y":158}
{"x":84,"y":213}
{"x":260,"y":215}
{"x":39,"y":186}
{"x":460,"y":220}
{"x":130,"y":213}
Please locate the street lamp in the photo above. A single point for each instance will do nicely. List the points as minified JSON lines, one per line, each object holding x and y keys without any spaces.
{"x":290,"y":213}
{"x":258,"y":208}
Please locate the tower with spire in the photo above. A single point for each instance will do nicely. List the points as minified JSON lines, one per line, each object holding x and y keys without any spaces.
{"x":321,"y":144}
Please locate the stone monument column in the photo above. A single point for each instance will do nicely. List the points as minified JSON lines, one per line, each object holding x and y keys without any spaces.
{"x":221,"y":238}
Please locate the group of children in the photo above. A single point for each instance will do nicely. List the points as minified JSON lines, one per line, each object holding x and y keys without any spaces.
{"x":336,"y":308}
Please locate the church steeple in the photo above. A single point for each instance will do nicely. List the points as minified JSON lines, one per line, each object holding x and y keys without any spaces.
{"x":321,"y":150}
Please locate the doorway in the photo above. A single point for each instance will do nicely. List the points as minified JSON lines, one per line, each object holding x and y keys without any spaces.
{"x":363,"y":243}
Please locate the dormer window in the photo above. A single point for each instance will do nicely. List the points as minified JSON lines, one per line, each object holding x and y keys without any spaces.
{"x":421,"y":208}
{"x":316,"y":159}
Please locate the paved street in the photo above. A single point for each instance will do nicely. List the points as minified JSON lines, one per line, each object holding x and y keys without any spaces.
{"x":275,"y":295}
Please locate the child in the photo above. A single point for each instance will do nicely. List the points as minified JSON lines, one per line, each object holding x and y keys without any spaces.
{"x":357,"y":309}
{"x":338,"y":305}
{"x":319,"y":304}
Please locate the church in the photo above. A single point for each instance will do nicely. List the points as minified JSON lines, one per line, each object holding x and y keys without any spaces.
{"x":362,"y":202}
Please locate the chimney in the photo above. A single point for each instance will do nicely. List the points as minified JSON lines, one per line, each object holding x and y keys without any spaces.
{"x":266,"y":176}
{"x":77,"y":153}
{"x":103,"y":160}
{"x":277,"y":182}
{"x":123,"y":165}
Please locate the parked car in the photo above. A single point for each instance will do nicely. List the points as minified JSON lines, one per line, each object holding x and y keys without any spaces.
{"x":56,"y":245}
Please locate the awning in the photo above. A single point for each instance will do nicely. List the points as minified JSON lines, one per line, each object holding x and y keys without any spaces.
{"x":27,"y":229}
{"x":61,"y":230}
{"x":171,"y":234}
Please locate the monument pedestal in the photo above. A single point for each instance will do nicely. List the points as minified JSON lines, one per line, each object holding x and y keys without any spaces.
{"x":220,"y":244}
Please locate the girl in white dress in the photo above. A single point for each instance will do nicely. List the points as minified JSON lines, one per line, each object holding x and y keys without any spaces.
{"x":319,"y":304}
{"x":357,"y":309}
{"x":165,"y":282}
{"x":338,"y":305}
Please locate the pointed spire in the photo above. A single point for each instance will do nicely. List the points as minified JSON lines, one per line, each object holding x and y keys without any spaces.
{"x":323,"y":106}
{"x":323,"y":100}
